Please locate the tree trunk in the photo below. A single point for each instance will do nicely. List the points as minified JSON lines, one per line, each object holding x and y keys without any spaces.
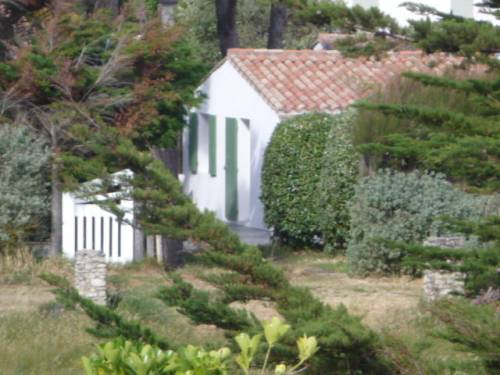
{"x":171,"y":249}
{"x":277,"y":25}
{"x":226,"y":25}
{"x":138,"y":243}
{"x":172,"y":252}
{"x":112,"y":5}
{"x":56,"y":212}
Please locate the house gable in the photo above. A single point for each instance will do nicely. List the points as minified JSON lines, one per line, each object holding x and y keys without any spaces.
{"x":228,"y":92}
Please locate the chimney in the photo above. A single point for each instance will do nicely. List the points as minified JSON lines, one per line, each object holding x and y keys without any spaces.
{"x":166,"y":9}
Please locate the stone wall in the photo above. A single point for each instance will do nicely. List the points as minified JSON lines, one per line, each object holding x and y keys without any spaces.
{"x":440,"y":284}
{"x":437,"y":283}
{"x":90,"y":275}
{"x":449,"y":242}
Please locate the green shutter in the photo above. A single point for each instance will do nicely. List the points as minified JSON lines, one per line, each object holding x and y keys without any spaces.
{"x":231,"y":169}
{"x":193,"y":142}
{"x":212,"y":146}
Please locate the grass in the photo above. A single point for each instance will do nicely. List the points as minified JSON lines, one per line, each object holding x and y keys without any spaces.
{"x":37,"y":344}
{"x":23,"y":268}
{"x":38,"y":339}
{"x":53,"y":342}
{"x":340,"y":266}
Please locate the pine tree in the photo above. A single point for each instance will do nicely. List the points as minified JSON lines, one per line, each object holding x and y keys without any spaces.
{"x":464,"y":144}
{"x":452,"y":33}
{"x":89,"y":70}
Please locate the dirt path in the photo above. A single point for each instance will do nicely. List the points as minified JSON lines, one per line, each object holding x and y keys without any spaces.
{"x":23,"y":297}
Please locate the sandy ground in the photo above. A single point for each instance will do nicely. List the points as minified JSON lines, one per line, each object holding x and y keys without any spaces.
{"x":383,"y":303}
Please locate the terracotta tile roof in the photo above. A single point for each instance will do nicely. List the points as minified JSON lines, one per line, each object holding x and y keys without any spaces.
{"x":298,"y":81}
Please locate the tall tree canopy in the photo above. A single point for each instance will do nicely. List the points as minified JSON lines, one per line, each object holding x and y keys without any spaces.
{"x":80,"y":72}
{"x":464,"y":142}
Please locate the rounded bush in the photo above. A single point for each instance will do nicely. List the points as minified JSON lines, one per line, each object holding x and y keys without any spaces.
{"x":290,"y":178}
{"x":405,"y":207}
{"x":338,"y":178}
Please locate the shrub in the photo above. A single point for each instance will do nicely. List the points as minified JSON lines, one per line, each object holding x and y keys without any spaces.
{"x":479,"y":262}
{"x":400,"y":207}
{"x":290,"y":177}
{"x":201,"y":309}
{"x":119,"y":357}
{"x":23,"y":189}
{"x":338,"y":178}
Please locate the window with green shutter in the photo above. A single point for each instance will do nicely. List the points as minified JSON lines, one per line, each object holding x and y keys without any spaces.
{"x":212,"y":146}
{"x":193,"y":142}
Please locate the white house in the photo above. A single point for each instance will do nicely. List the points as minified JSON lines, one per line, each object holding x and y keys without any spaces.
{"x":464,"y":8}
{"x":249,"y":93}
{"x":86,"y":225}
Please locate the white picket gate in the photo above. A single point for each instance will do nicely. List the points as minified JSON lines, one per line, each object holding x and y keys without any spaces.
{"x":87,"y":226}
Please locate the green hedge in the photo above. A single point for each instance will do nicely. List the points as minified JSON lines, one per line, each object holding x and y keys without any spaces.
{"x":290,"y":178}
{"x":338,"y":178}
{"x":400,"y":207}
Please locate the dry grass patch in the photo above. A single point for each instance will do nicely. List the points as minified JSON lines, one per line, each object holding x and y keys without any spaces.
{"x":383,"y":302}
{"x":22,"y":298}
{"x":23,"y":267}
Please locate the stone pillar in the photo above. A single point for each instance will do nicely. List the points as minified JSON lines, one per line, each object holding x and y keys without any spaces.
{"x":150,"y":246}
{"x":441,"y":284}
{"x":159,"y":252}
{"x":90,"y":275}
{"x":166,"y":8}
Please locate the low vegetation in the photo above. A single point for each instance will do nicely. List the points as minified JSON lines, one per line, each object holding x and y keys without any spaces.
{"x":404,"y":207}
{"x":118,"y":356}
{"x":23,"y":163}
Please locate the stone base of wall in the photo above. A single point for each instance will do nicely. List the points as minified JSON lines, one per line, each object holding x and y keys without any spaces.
{"x":449,"y":242}
{"x":90,"y":275}
{"x":441,"y":284}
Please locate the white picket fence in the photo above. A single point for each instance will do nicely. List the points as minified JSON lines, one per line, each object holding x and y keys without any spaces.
{"x":87,"y":226}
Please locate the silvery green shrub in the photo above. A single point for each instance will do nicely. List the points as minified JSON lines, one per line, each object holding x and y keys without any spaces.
{"x":404,"y":207}
{"x":23,"y":189}
{"x":338,"y":178}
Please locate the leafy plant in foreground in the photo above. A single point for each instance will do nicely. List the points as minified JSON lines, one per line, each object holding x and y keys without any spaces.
{"x":124,"y":357}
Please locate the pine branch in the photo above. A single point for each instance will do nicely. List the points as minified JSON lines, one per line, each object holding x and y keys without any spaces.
{"x":436,"y":117}
{"x":108,"y":322}
{"x":478,"y":86}
{"x":426,"y":10}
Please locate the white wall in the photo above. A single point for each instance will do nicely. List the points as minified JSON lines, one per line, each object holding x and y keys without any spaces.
{"x":230,"y":95}
{"x":463,"y":8}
